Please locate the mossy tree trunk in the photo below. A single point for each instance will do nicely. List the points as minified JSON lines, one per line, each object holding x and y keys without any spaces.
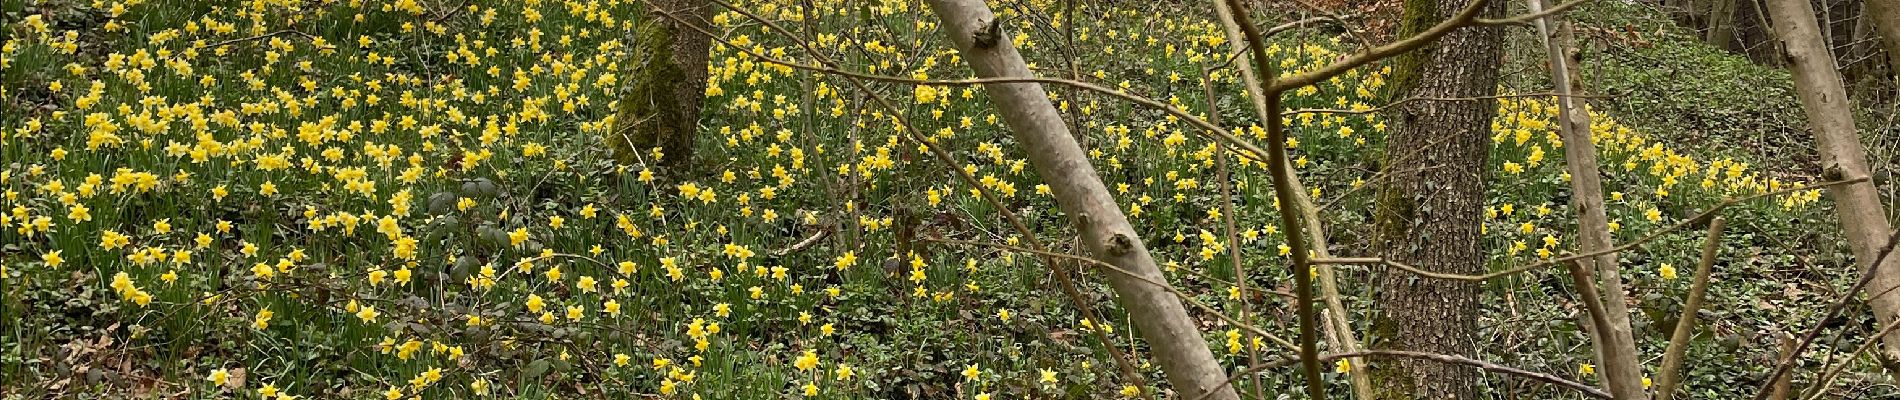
{"x":657,"y":115}
{"x":1430,"y":210}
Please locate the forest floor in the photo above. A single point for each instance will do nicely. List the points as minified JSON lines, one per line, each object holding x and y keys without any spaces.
{"x":412,"y":199}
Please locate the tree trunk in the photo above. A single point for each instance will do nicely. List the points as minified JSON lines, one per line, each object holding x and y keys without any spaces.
{"x":1873,"y":65}
{"x":1721,"y":31}
{"x":1886,"y":18}
{"x":1430,"y":209}
{"x":658,"y":110}
{"x":1863,"y":218}
{"x":1174,"y":340}
{"x":1860,"y":52}
{"x":1614,"y":344}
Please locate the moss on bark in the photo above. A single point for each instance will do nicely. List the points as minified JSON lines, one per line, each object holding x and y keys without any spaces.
{"x":659,"y":107}
{"x":1416,"y":17}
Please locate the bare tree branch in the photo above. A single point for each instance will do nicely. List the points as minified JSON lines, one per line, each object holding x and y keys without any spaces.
{"x":1337,"y":18}
{"x":1225,"y":182}
{"x":1685,"y":324}
{"x":1296,"y":24}
{"x":284,"y":32}
{"x":1826,"y":379}
{"x":1833,"y":310}
{"x":1229,"y":59}
{"x":1526,"y":19}
{"x":1343,"y":337}
{"x":1368,"y":56}
{"x":1112,"y":268}
{"x":1858,"y":208}
{"x":1412,"y":99}
{"x":1568,"y":257}
{"x":1177,"y":344}
{"x":804,"y":244}
{"x":1613,"y":340}
{"x":1283,"y":192}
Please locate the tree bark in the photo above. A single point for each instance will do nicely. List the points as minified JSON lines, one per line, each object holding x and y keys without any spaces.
{"x":1866,"y":44}
{"x":1886,"y":18}
{"x":1863,"y":218}
{"x":659,"y":107}
{"x":1721,"y":31}
{"x":1430,"y":211}
{"x":1174,"y":340}
{"x":1614,"y":343}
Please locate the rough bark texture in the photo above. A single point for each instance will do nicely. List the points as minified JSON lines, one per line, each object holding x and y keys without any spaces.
{"x":1863,"y":218}
{"x":659,"y":108}
{"x":1177,"y":345}
{"x":1886,"y":18}
{"x":1430,"y":216}
{"x":1614,"y":343}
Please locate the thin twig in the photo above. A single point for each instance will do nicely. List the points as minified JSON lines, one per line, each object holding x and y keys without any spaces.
{"x":1308,"y":78}
{"x":1572,"y":256}
{"x":1412,"y":99}
{"x":1379,"y":178}
{"x":452,"y":12}
{"x":1526,"y":19}
{"x":1778,"y":387}
{"x":1283,"y":192}
{"x":1229,"y":59}
{"x":1337,"y":18}
{"x":1591,"y":298}
{"x":1112,"y":268}
{"x":1833,"y":310}
{"x":1342,"y":337}
{"x":1208,"y":130}
{"x":1826,"y":380}
{"x":1227,"y":220}
{"x":1443,"y":358}
{"x":306,"y":36}
{"x":803,"y":244}
{"x":1224,"y":282}
{"x":1277,"y":29}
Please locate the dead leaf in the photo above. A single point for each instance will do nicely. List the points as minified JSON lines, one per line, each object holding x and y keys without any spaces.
{"x":1061,"y":335}
{"x":237,"y":379}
